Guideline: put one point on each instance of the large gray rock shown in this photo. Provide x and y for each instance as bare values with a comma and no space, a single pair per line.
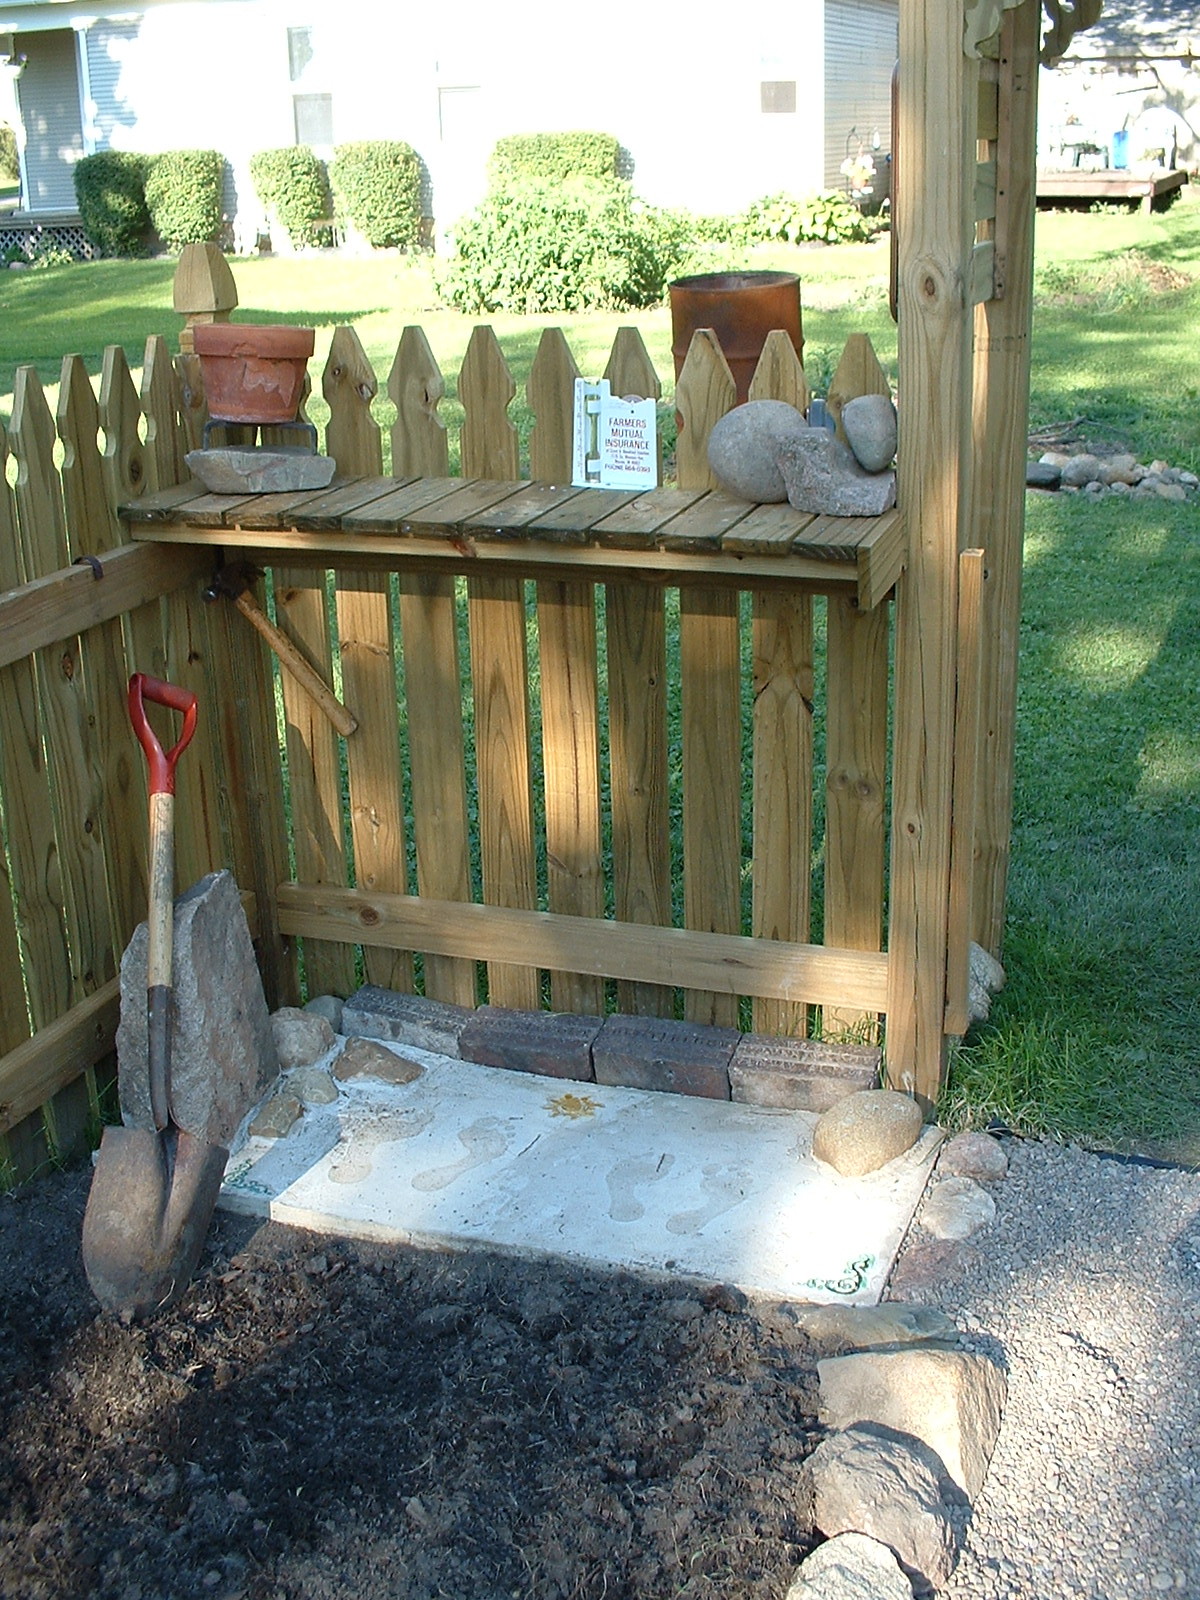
822,476
850,1567
870,424
957,1208
743,448
866,1130
223,1054
1078,470
952,1400
882,1485
259,471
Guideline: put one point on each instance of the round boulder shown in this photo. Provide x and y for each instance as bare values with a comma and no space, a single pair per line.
301,1037
743,449
869,421
867,1130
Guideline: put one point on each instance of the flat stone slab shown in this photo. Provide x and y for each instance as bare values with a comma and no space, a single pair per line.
618,1177
260,471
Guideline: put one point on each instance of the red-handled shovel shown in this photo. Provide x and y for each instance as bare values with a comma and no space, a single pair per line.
154,1188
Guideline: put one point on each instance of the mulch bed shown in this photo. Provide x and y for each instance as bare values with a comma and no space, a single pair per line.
320,1419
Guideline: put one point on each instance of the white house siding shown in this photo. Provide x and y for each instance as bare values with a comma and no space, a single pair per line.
704,109
861,46
48,93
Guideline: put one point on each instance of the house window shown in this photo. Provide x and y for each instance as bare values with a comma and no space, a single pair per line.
314,119
300,52
778,96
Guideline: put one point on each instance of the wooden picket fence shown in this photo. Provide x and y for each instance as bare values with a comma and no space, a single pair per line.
657,767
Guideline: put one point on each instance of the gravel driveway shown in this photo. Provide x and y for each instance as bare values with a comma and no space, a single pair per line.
1088,1286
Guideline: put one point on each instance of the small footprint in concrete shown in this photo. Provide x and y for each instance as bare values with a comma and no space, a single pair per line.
483,1141
725,1188
352,1159
629,1175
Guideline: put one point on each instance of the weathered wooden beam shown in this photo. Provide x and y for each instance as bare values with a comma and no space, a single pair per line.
74,599
720,962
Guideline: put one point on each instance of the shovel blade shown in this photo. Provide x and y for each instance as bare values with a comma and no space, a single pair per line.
148,1211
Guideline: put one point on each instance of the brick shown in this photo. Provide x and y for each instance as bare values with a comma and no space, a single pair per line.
799,1074
375,1013
554,1044
658,1053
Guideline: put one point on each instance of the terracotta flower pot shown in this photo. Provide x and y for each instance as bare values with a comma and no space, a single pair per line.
253,372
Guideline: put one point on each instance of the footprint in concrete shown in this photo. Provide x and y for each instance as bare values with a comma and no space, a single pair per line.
355,1152
627,1177
725,1187
483,1141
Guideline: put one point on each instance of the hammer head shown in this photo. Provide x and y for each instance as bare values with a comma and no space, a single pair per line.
231,580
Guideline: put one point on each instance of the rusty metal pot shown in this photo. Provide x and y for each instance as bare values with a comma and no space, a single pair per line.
741,308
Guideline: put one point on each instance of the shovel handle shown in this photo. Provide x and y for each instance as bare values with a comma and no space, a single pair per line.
161,762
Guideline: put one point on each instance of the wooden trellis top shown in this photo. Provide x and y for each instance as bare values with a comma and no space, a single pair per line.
477,523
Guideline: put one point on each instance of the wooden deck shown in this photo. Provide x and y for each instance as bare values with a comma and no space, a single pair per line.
1109,183
481,523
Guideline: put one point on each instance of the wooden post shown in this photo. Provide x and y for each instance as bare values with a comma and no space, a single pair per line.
1002,339
204,290
934,220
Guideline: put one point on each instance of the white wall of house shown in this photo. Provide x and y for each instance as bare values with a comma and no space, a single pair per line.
713,116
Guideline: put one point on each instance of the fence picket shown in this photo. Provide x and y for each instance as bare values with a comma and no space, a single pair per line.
429,634
779,375
704,393
710,670
499,675
635,633
855,764
69,726
858,372
782,653
420,443
126,472
364,613
551,395
160,406
92,529
571,762
489,443
352,436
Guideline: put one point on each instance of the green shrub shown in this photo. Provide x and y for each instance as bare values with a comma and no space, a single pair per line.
110,188
555,157
41,252
377,186
827,217
183,195
10,170
570,246
293,185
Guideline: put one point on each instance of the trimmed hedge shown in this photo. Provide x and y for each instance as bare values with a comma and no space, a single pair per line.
110,188
555,157
377,186
557,246
292,184
183,195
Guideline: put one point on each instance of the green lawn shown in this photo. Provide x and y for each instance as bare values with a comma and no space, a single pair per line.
1096,1035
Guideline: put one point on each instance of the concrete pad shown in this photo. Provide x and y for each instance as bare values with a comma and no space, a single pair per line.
475,1155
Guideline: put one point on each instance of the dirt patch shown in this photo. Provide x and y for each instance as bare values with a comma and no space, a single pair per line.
319,1419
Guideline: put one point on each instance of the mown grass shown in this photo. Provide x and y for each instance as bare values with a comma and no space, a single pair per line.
1095,1036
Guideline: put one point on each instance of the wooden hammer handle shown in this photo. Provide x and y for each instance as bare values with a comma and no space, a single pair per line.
292,661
